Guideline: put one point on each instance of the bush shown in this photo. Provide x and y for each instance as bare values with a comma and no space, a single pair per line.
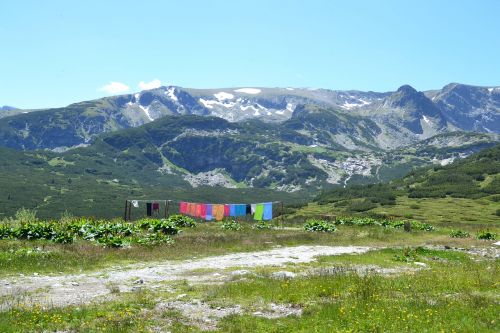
231,225
459,234
181,221
165,226
24,215
315,225
155,239
5,231
421,226
361,206
486,235
406,255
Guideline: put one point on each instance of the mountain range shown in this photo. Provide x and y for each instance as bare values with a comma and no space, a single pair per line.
280,139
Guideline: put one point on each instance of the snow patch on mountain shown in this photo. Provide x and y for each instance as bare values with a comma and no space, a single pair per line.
222,96
354,103
251,91
427,120
171,94
146,111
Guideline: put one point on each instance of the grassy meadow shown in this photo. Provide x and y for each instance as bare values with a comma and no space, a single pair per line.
430,289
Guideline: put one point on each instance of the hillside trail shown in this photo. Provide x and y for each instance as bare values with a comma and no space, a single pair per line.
73,289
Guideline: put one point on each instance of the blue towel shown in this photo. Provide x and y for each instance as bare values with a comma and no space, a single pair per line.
208,217
268,211
241,210
232,210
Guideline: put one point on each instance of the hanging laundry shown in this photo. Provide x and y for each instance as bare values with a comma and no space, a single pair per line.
135,203
232,210
208,216
148,209
268,211
191,209
240,210
259,212
183,207
248,209
252,209
227,210
197,210
218,212
203,214
156,206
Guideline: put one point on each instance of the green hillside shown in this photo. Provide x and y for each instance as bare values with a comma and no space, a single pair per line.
466,191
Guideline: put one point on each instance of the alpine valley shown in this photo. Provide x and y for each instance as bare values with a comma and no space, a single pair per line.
236,143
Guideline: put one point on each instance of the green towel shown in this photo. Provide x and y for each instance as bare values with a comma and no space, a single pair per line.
259,212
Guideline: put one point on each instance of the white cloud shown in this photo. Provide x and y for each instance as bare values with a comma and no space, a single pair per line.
115,88
150,85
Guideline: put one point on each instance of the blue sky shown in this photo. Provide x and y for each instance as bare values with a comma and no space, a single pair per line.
57,52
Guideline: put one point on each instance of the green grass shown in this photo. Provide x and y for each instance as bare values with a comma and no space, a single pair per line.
456,294
470,214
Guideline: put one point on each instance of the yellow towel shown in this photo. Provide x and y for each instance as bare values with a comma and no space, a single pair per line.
218,212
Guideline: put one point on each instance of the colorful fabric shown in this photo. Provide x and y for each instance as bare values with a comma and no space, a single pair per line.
259,212
252,209
232,210
218,212
227,210
156,206
240,210
208,215
183,207
191,209
268,211
203,211
197,212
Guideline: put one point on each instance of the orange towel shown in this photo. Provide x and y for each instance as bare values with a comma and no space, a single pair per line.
218,212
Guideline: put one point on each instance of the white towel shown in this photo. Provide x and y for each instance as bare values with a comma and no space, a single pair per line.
135,203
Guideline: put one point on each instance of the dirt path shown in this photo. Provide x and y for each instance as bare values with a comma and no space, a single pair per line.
65,290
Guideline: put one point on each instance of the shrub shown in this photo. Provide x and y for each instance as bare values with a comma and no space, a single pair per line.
112,241
181,221
38,230
63,237
24,215
421,226
406,255
459,234
5,231
361,206
497,213
316,225
231,225
155,239
165,226
486,235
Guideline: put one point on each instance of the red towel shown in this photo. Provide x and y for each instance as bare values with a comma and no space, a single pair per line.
203,211
183,207
227,210
197,210
156,206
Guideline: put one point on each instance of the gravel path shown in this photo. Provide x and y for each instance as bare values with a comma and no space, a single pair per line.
63,290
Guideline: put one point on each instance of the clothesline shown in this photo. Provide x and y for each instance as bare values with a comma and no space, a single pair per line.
225,203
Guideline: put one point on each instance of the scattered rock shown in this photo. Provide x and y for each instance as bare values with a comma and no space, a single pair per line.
139,281
283,275
181,296
75,284
421,264
240,272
